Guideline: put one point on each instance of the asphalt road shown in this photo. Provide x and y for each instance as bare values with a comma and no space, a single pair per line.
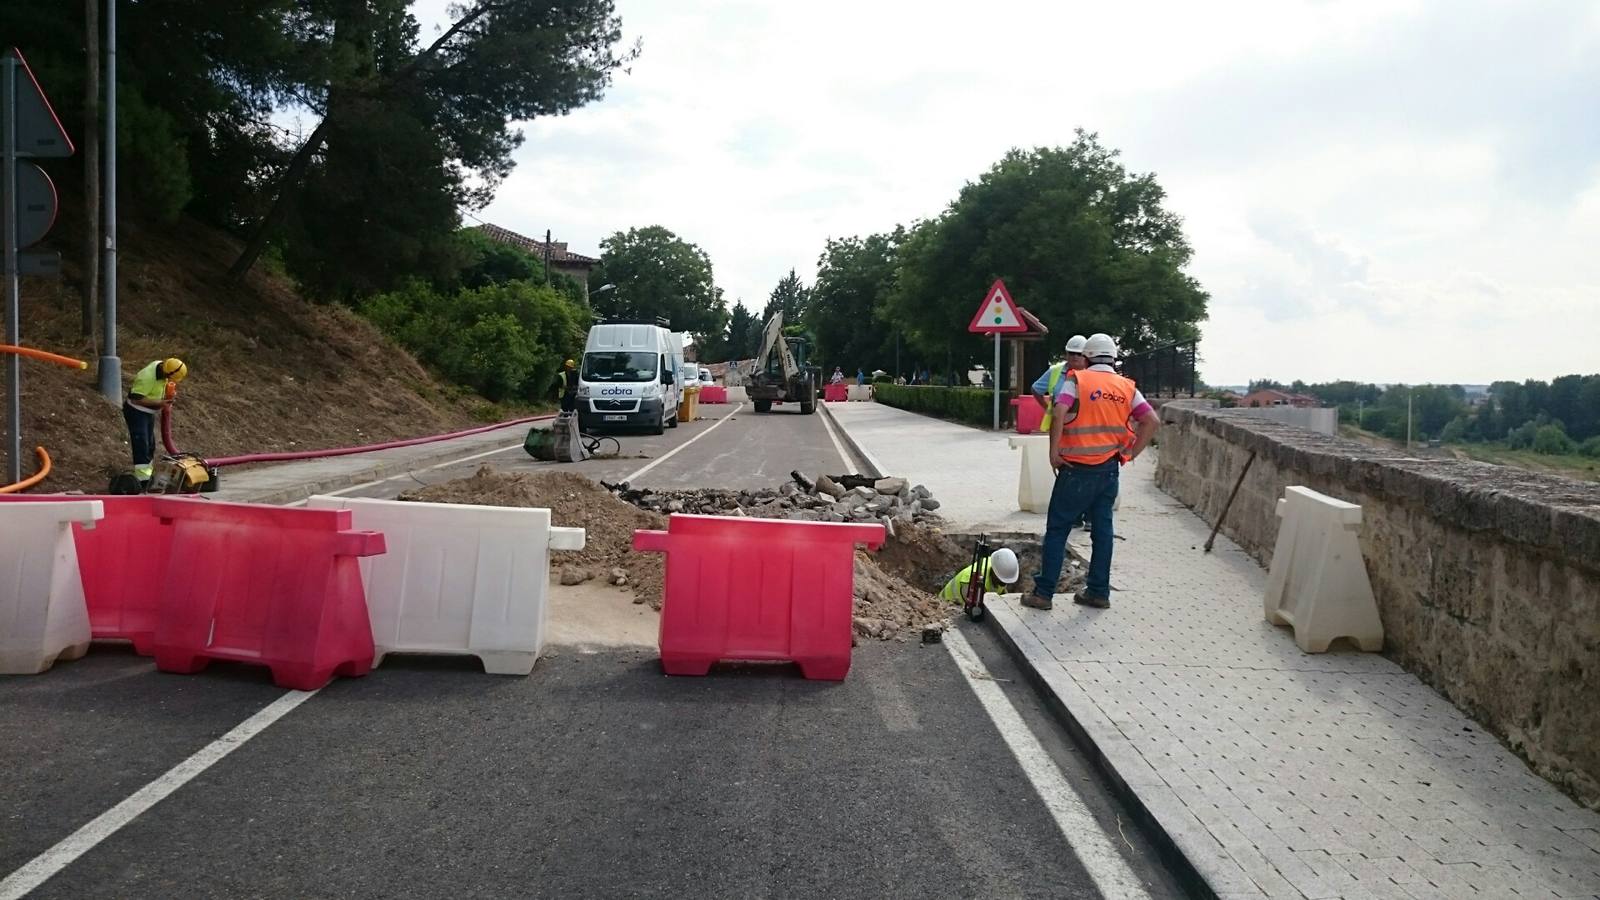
597,776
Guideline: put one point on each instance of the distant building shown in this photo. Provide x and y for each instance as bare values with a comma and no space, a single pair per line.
1270,397
573,265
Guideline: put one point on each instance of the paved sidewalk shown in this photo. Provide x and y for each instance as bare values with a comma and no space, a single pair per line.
1275,773
285,482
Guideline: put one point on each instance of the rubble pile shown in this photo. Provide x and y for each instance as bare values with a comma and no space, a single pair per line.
839,498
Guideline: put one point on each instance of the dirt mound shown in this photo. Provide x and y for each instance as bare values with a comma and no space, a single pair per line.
573,501
888,608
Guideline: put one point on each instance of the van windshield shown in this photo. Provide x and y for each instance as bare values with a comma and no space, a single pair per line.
619,365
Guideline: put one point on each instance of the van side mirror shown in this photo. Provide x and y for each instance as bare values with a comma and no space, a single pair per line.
666,378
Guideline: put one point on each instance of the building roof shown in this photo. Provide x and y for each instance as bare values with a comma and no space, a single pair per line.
558,249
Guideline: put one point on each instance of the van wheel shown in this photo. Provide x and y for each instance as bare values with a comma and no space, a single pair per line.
661,425
763,406
674,421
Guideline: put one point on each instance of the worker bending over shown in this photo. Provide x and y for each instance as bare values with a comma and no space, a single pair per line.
1089,445
1000,569
153,387
1044,389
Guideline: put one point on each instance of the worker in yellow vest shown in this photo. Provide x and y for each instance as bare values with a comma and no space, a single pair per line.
998,571
1044,389
153,387
1089,447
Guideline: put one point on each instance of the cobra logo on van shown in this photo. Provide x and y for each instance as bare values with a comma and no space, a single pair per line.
616,391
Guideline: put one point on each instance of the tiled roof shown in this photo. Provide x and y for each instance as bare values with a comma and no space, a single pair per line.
558,249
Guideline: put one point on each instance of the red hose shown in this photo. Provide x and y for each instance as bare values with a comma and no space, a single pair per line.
166,440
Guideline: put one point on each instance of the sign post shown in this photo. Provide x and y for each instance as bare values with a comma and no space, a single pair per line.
997,315
30,129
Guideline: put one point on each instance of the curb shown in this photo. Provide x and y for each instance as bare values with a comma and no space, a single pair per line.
376,471
1169,846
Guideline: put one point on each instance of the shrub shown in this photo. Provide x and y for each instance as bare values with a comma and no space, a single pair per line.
1552,440
1591,447
1521,437
974,406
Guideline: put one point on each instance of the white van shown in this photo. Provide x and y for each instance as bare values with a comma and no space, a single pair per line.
629,378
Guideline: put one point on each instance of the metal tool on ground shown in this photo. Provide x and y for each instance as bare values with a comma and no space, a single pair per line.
564,442
1212,538
972,600
779,373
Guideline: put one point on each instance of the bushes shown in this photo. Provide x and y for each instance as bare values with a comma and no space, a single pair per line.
1591,447
505,341
974,406
1552,440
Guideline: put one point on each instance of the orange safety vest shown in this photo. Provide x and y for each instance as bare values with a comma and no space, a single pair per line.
1100,430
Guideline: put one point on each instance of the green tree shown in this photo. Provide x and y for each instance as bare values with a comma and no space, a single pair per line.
847,310
657,273
1552,440
1081,242
744,333
791,298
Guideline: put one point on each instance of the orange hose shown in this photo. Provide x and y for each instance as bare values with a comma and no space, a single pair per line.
35,478
44,355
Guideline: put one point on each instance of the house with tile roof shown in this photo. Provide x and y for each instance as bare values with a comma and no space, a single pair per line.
555,253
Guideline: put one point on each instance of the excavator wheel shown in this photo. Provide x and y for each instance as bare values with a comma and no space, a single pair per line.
763,406
807,407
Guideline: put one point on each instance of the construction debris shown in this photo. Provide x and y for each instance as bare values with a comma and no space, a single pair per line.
830,498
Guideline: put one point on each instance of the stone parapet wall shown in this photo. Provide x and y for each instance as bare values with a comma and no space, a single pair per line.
1487,577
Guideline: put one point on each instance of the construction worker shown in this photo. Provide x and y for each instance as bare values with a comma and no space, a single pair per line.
837,377
153,387
1088,444
569,386
1045,387
999,570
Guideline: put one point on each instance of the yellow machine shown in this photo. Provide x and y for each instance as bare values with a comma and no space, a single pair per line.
184,473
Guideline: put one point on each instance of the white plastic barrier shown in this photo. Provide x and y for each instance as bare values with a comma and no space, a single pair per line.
859,392
1318,581
458,579
43,616
1035,479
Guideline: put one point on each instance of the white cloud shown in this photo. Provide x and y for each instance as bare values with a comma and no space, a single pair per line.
1382,190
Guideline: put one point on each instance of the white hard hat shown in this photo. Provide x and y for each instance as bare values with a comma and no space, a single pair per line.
1100,345
1075,343
1003,563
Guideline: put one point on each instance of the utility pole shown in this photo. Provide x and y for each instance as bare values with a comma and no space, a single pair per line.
13,283
110,379
91,165
1408,418
547,256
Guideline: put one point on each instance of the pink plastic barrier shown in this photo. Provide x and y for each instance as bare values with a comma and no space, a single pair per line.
713,393
757,589
1030,415
268,585
123,561
835,393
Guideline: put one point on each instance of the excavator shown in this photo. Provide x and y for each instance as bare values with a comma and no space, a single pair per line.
779,374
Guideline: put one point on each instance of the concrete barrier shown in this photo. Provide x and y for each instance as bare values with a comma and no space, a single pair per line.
1318,582
859,392
1487,578
43,616
458,579
1035,478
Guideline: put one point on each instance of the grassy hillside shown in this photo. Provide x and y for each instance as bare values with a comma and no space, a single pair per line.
268,371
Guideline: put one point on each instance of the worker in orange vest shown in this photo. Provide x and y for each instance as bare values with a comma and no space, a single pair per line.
1088,439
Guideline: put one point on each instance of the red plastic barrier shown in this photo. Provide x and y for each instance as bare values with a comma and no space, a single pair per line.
758,589
1030,415
835,393
268,585
123,562
713,393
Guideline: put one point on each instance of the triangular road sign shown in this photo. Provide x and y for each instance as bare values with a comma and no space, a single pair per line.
998,312
39,132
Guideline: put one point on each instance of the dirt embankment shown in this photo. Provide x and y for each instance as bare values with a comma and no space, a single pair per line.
268,371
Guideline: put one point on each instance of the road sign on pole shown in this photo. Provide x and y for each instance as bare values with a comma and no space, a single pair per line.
28,128
997,315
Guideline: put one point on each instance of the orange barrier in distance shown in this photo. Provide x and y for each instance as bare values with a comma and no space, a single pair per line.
35,478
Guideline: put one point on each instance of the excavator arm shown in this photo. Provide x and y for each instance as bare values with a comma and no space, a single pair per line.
772,341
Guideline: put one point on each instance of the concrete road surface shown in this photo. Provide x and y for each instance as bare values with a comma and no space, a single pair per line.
932,771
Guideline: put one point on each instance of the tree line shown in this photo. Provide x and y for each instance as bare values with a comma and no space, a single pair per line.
1552,417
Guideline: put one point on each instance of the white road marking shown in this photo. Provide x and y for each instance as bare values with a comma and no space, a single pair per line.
42,867
865,453
1111,873
409,472
833,435
674,451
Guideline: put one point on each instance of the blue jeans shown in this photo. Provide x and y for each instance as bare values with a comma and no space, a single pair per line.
1080,491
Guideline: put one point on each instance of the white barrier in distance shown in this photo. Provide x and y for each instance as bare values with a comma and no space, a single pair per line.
43,616
458,579
859,392
1035,479
1318,582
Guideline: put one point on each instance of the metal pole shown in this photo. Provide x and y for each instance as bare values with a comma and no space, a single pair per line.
110,374
1408,418
996,379
13,286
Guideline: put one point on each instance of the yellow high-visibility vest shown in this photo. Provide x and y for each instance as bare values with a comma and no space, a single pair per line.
1050,395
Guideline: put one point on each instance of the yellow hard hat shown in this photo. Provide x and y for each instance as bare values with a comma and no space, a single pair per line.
174,369
570,364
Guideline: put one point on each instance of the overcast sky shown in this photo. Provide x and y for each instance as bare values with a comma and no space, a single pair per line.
1387,191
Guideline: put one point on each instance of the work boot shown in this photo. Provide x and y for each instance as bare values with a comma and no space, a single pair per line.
1034,601
1084,598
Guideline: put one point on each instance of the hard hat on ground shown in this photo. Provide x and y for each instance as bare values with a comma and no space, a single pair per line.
1100,346
1075,343
569,364
1003,563
173,368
